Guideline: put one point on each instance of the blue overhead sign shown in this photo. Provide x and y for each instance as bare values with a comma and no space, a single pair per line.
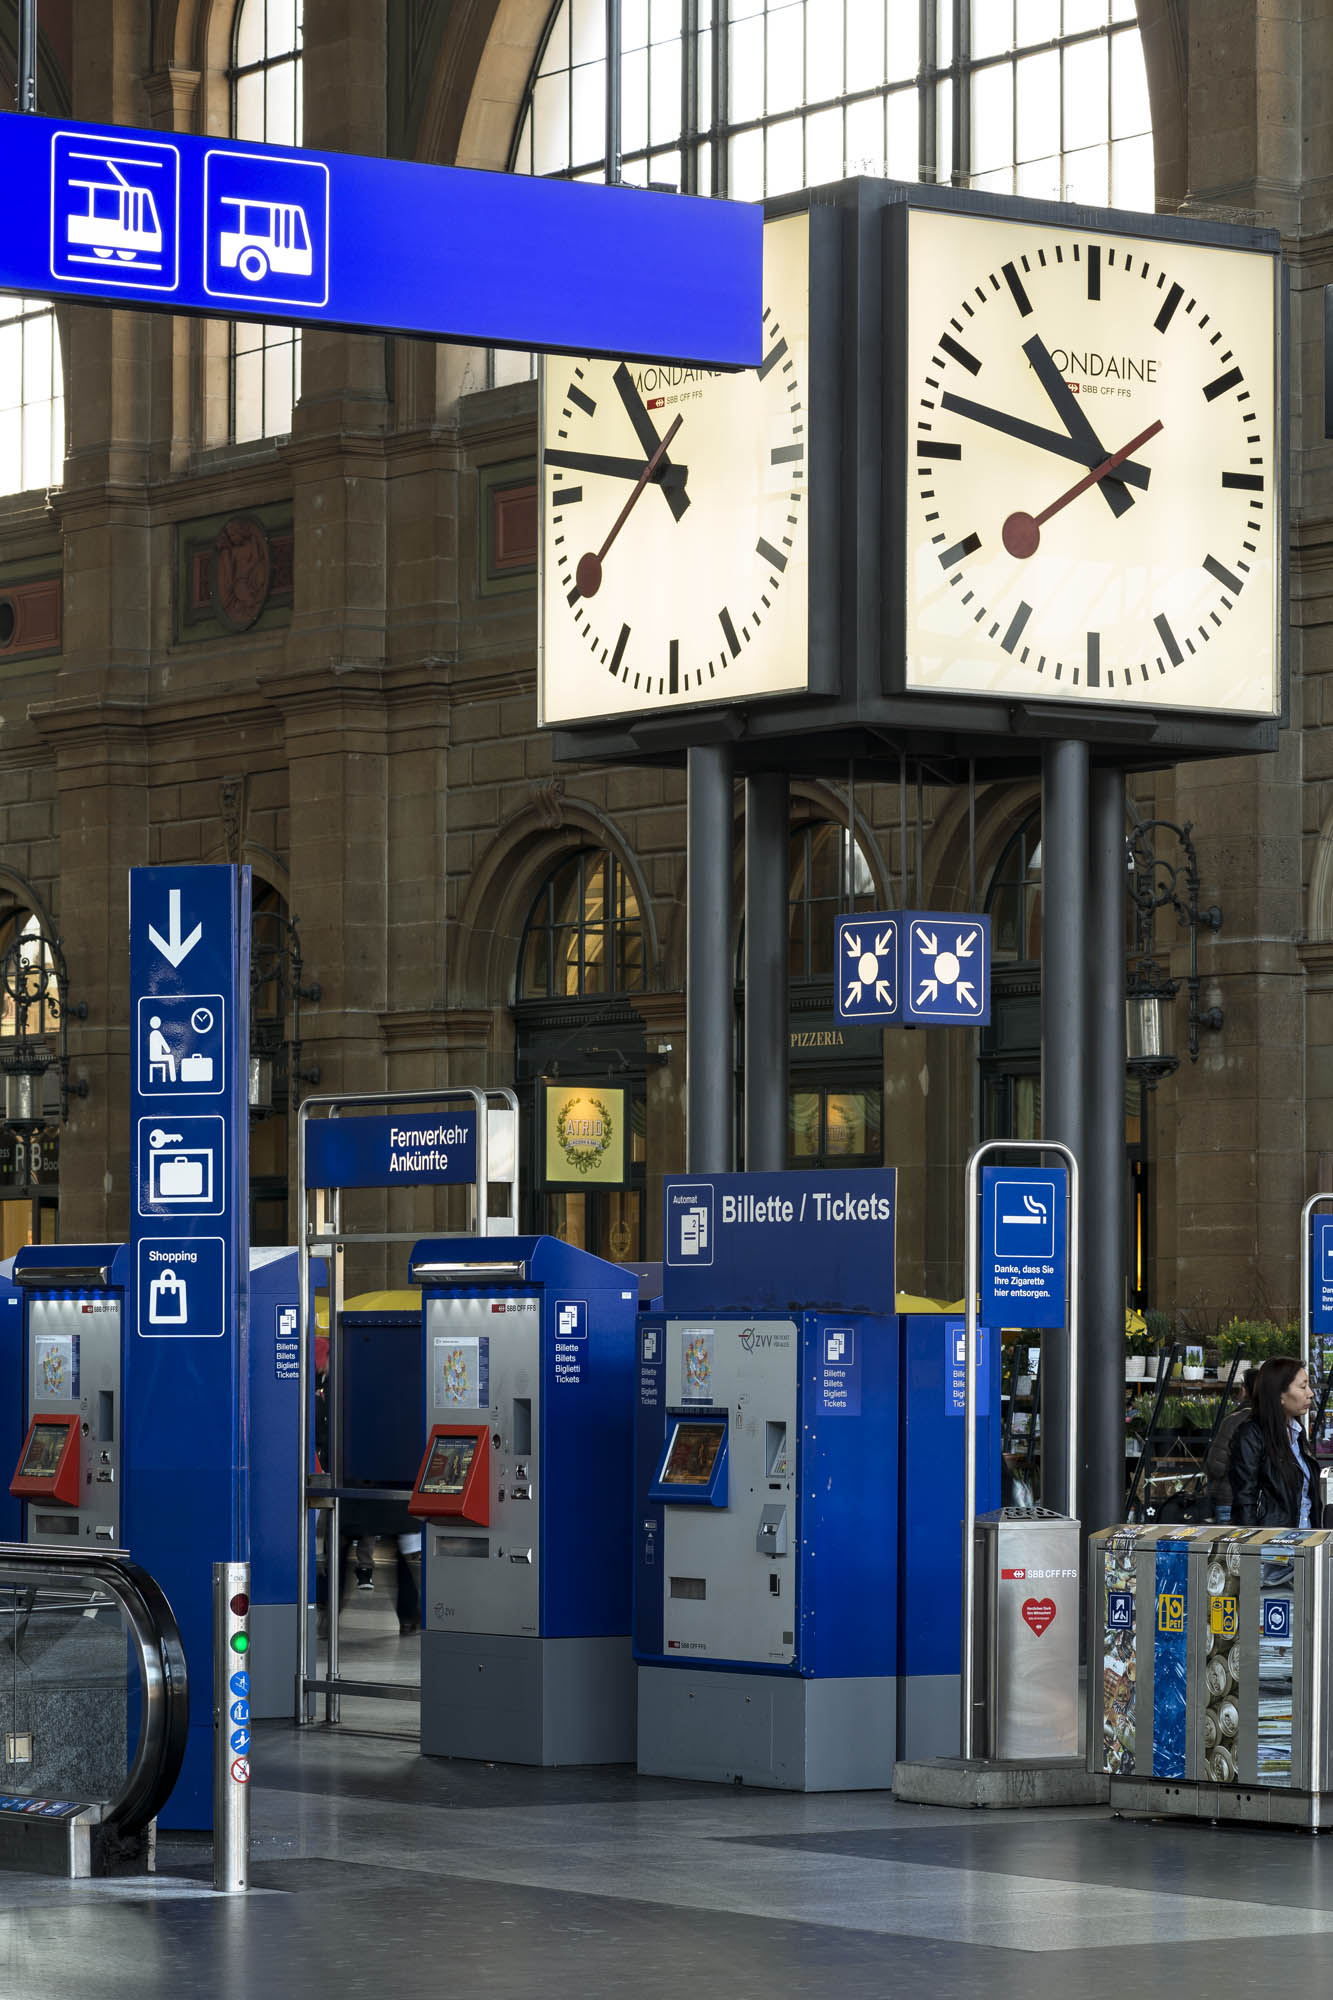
189,1015
411,1149
1024,1246
1321,1274
780,1240
185,224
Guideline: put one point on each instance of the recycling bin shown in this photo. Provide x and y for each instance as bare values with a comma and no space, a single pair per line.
1025,1634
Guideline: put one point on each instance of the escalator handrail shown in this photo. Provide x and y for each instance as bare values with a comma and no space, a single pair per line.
165,1716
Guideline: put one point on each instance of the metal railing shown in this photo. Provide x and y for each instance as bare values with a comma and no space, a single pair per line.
164,1711
327,1235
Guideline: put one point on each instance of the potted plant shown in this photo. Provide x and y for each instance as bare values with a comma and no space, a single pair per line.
1158,1327
1136,1349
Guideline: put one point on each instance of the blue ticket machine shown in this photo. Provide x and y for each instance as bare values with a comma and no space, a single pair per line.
930,1518
11,1405
525,1495
766,1612
89,1470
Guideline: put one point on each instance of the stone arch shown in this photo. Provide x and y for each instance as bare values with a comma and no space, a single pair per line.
481,73
489,927
1319,898
17,893
1001,810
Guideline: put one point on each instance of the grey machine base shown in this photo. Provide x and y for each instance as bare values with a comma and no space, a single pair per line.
778,1731
75,1845
983,1781
1178,1798
928,1715
272,1659
527,1701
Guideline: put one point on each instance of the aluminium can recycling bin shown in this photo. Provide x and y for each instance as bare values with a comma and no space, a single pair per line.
1025,1673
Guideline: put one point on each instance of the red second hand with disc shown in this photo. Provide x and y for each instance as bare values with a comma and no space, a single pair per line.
1021,533
588,572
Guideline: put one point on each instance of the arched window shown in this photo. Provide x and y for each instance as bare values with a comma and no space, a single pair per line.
266,104
1013,898
32,397
818,896
585,936
749,98
30,992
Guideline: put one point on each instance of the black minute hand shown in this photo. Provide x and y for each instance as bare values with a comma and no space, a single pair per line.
613,468
1071,414
645,430
1057,442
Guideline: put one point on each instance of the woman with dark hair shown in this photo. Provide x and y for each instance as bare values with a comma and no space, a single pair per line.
1274,1475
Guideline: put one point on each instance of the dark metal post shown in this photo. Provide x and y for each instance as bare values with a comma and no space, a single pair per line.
613,92
710,1083
1102,1362
766,933
26,93
1064,893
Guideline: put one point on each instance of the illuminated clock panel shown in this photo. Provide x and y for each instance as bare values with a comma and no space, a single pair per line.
1092,498
674,520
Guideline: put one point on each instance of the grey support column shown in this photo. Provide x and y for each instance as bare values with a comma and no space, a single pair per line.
766,935
1102,1361
710,1085
1064,900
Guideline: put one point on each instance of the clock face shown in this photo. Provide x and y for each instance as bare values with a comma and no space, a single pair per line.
674,504
1092,504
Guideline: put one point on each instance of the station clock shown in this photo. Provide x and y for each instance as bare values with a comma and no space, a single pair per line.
675,519
1092,468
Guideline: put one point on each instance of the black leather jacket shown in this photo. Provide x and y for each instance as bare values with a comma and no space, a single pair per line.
1260,1497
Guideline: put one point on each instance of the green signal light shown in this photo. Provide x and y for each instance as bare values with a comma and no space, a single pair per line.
240,1642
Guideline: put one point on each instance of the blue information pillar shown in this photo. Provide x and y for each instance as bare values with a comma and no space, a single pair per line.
185,1488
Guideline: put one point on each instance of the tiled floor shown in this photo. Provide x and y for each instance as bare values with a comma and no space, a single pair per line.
380,1873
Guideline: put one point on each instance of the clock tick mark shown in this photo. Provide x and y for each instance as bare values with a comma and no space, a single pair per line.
1015,631
1247,482
1227,578
1220,385
1015,284
957,352
967,547
1168,639
1095,270
774,557
1169,304
729,632
1094,659
772,358
582,401
673,670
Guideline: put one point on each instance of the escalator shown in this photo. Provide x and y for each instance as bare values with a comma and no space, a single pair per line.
94,1709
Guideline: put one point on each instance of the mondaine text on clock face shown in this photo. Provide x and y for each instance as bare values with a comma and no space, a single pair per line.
1091,467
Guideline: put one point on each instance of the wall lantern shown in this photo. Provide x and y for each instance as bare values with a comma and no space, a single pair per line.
34,1022
1155,883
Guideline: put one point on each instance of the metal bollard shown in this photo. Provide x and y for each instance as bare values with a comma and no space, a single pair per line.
231,1727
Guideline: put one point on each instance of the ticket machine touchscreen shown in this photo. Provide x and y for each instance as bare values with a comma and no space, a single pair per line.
455,1474
694,1464
48,1467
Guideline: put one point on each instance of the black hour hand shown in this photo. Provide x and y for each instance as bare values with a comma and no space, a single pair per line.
645,430
1071,414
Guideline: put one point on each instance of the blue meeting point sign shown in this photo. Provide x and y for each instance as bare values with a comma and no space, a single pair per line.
123,217
1024,1246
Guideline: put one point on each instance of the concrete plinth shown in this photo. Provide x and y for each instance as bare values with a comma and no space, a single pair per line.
982,1781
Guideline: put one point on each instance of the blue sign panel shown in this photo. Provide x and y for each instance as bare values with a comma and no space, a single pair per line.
1024,1247
410,1149
955,1375
190,1119
119,217
1277,1618
1321,1274
946,969
782,1240
839,1378
867,962
1120,1610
